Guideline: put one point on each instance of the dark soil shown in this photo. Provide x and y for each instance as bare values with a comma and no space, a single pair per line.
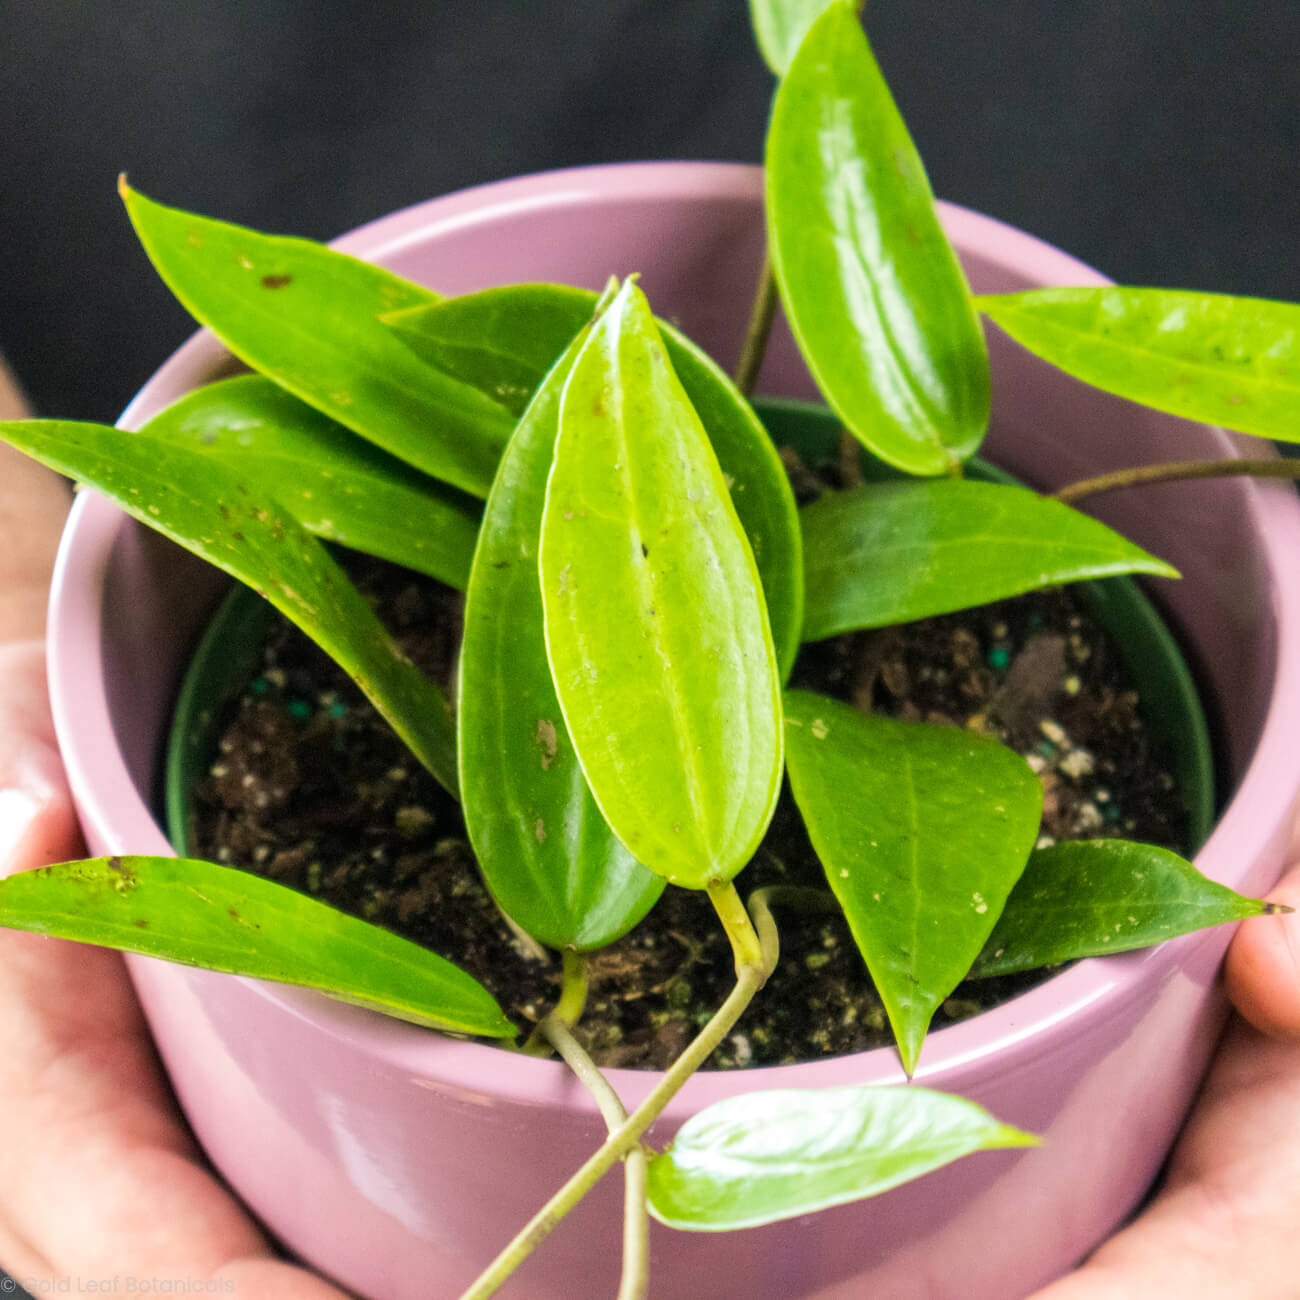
311,788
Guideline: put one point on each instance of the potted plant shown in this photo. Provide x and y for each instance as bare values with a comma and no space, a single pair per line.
283,1088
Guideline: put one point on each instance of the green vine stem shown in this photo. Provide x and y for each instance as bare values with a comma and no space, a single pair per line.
570,1006
635,1281
759,330
749,979
1177,471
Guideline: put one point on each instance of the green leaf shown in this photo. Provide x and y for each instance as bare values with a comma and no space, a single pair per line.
874,292
338,486
922,831
1229,361
502,341
887,553
766,1156
546,852
232,522
781,25
656,632
223,919
505,340
1091,897
308,317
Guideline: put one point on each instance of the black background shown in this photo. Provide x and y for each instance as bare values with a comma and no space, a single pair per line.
1156,139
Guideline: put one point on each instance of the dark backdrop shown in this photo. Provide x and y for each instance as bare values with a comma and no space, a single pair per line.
1157,139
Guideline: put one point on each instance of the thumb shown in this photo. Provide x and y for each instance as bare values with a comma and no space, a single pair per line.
1262,969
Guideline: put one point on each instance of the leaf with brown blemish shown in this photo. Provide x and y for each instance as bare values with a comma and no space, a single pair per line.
547,854
319,335
245,925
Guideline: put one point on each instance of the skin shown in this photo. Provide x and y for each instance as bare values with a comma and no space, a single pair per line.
102,1180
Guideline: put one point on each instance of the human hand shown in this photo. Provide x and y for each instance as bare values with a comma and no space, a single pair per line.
99,1178
1224,1225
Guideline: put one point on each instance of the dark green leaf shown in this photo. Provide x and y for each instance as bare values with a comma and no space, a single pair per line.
505,340
222,919
887,553
874,292
1228,361
232,522
655,626
922,831
308,317
338,486
781,25
548,855
1091,897
765,1156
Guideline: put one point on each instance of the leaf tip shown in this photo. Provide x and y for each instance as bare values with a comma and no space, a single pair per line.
1276,909
124,191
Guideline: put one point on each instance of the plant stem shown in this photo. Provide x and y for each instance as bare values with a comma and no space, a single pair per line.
749,979
1177,471
572,1002
635,1280
759,330
745,943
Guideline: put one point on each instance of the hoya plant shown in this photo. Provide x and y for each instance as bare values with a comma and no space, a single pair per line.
638,584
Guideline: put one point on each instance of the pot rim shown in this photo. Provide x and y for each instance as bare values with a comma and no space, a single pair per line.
1004,1039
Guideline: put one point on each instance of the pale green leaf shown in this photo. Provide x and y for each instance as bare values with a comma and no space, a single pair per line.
233,522
308,317
656,631
1229,361
546,852
780,25
873,291
1087,898
222,919
922,831
766,1156
887,553
504,341
338,486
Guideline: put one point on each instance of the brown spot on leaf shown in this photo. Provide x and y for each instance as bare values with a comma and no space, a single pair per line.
276,281
547,742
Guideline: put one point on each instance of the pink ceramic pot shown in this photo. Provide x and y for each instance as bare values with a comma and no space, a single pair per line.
397,1162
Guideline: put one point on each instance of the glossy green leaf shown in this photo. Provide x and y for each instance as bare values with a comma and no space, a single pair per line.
308,317
233,523
887,553
655,626
338,486
1087,898
873,291
547,854
780,26
765,1156
505,340
922,831
223,919
1228,361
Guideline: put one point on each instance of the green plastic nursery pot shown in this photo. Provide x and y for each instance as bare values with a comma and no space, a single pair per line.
228,656
398,1161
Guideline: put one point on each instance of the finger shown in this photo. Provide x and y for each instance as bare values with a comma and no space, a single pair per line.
37,821
1262,970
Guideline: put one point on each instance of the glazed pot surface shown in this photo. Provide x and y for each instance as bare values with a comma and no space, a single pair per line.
398,1162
